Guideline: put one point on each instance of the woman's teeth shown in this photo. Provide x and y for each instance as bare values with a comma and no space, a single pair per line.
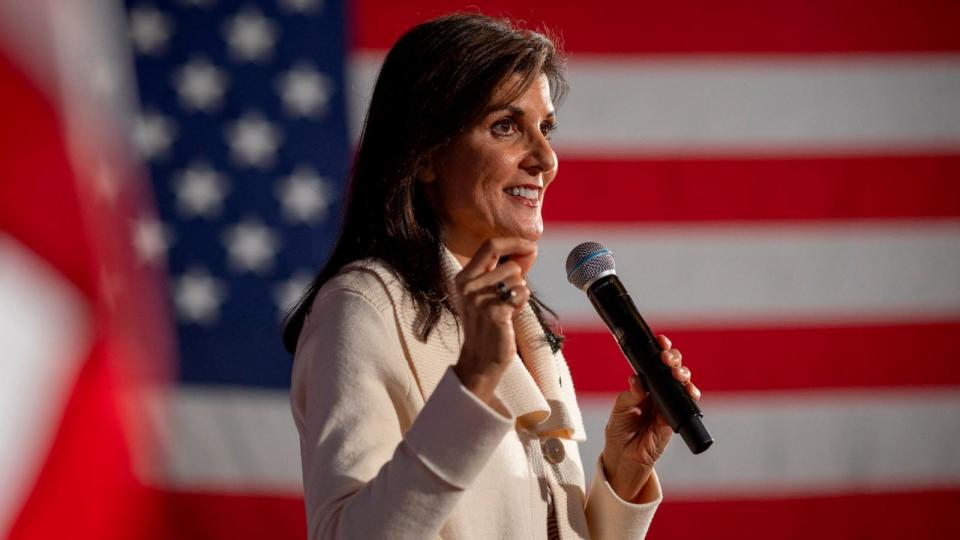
526,193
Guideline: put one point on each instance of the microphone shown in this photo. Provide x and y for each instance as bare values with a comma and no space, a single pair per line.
590,267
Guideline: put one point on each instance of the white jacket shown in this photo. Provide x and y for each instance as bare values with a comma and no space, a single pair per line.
393,446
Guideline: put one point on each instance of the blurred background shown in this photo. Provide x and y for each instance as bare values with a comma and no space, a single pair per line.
779,182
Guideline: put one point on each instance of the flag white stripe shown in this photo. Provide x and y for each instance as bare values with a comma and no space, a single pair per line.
741,274
809,442
690,105
228,439
767,444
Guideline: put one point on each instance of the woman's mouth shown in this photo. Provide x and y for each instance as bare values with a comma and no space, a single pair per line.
528,196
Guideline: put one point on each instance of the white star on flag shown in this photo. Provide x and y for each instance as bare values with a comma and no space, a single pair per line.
149,30
202,4
151,239
198,296
252,246
200,85
253,140
301,6
304,195
153,133
200,190
250,36
304,91
286,293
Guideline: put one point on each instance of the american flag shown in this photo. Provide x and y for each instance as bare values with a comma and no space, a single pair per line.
779,183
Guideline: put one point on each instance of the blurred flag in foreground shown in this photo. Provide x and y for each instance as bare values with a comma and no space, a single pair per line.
83,330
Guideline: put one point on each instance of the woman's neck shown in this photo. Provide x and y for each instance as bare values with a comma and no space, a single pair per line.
462,248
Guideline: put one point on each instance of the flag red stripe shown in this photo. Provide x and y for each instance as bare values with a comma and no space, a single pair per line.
915,514
36,167
785,358
215,516
923,514
666,190
749,26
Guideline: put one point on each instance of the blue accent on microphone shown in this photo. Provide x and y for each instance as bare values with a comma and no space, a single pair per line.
587,259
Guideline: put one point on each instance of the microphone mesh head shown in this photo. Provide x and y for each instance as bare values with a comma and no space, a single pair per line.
587,262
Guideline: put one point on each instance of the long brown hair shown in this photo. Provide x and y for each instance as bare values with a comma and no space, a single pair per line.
436,81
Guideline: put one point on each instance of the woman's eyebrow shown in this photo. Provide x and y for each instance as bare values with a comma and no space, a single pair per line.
517,111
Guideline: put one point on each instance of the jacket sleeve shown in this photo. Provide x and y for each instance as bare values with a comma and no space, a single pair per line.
610,517
363,476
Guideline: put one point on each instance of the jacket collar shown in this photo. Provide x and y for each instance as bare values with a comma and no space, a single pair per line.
530,390
518,389
531,387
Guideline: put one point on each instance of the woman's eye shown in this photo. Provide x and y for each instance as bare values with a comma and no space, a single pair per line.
505,126
547,129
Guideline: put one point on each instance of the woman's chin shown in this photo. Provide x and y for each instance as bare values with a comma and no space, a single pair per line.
532,235
531,230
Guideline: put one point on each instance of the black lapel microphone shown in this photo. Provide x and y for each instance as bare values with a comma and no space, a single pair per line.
590,267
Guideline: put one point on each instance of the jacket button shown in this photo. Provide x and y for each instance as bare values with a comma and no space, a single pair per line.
553,450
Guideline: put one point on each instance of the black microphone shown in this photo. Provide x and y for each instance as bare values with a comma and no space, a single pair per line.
590,267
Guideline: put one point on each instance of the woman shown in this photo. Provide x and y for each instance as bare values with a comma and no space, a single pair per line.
430,394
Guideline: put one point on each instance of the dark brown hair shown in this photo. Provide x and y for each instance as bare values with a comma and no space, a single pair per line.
436,82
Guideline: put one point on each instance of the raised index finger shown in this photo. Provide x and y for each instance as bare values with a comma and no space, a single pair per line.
521,251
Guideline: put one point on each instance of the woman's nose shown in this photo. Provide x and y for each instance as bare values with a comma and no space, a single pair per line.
540,157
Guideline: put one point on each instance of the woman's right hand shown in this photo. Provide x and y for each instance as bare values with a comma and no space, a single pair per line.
489,341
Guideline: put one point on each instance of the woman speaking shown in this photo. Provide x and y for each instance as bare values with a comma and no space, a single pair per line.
429,389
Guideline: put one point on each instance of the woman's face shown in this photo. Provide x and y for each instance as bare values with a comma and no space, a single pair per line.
490,181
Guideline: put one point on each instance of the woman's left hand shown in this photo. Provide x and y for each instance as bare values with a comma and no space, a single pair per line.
636,434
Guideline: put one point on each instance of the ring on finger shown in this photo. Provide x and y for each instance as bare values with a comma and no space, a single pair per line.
506,294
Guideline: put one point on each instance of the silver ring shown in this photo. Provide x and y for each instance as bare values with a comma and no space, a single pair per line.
506,294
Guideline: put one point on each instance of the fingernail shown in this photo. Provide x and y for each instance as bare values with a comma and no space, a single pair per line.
684,371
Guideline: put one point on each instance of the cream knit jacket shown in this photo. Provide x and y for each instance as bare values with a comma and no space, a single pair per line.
393,446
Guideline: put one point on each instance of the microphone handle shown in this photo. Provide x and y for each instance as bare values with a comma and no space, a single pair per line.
639,345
